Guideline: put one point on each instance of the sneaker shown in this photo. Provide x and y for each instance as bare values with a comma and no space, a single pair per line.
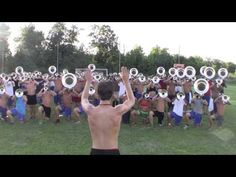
185,127
160,125
78,122
60,115
57,121
40,122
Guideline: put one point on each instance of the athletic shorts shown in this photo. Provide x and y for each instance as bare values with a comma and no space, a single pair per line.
143,114
196,117
158,114
47,111
31,100
16,114
57,99
104,152
66,111
3,112
219,120
176,117
10,102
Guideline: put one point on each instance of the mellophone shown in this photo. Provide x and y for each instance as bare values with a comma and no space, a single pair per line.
69,80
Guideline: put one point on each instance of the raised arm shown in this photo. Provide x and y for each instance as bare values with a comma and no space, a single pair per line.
129,103
84,99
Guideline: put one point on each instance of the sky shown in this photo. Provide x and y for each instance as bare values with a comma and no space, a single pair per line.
206,39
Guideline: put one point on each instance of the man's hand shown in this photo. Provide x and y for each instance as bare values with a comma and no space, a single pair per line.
124,74
88,75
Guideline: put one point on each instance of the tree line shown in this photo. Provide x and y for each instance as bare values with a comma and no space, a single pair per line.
36,51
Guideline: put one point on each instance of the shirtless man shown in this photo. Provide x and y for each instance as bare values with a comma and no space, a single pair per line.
45,109
58,87
104,120
220,109
171,91
187,88
3,105
158,108
31,96
66,104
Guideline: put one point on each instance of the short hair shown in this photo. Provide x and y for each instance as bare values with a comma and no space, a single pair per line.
105,89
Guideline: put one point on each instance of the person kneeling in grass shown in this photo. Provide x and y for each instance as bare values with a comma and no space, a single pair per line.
19,111
196,113
45,110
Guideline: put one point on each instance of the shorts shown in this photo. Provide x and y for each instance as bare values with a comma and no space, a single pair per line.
57,99
196,116
219,120
176,117
3,112
104,152
66,111
158,114
143,114
16,114
31,100
10,102
47,111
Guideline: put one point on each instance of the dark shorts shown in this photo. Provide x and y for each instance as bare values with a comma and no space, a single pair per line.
3,112
176,117
207,98
158,114
16,114
31,100
219,120
47,111
104,152
57,99
196,117
66,111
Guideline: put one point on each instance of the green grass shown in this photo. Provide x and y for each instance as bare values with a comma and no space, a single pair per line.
68,138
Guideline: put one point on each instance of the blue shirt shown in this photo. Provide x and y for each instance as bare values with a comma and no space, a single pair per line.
20,105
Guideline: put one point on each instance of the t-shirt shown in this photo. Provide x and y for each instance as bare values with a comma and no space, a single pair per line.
20,105
178,107
144,103
208,93
9,88
198,104
178,88
122,89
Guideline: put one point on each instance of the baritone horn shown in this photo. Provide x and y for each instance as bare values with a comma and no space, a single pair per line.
161,71
223,73
69,80
52,69
209,72
180,96
163,93
172,72
2,90
133,72
19,70
180,73
19,93
201,86
92,67
189,72
91,90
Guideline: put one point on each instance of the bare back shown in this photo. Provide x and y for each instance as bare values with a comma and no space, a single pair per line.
104,123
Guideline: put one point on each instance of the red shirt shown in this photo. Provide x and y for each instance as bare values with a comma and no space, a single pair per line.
208,93
163,85
144,103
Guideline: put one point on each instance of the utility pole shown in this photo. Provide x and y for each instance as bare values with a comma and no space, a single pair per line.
57,55
2,57
119,58
178,56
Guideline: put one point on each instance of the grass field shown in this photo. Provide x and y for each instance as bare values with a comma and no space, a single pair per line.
69,138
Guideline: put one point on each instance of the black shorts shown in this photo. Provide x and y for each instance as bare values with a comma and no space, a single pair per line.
47,111
31,100
158,114
104,152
